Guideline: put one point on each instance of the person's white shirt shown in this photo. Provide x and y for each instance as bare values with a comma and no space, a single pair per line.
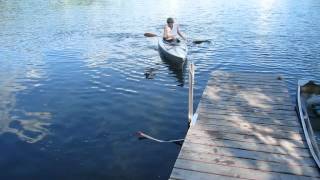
172,33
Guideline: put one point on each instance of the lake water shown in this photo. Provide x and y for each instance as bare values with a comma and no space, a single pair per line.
78,79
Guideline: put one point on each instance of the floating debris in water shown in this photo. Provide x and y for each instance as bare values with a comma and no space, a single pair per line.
149,73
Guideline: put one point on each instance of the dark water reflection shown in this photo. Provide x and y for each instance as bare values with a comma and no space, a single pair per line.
78,78
177,69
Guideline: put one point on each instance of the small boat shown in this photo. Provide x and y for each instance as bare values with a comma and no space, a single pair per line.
175,52
308,100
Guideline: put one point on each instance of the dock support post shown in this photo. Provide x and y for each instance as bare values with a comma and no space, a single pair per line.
191,82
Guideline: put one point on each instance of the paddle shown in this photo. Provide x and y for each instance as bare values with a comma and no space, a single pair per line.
198,41
150,34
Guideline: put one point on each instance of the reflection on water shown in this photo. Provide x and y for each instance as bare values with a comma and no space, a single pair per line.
150,73
28,126
177,69
30,131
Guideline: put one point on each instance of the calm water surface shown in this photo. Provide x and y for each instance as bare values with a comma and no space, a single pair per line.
78,79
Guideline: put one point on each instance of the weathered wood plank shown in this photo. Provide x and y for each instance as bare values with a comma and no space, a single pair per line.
246,138
179,174
248,77
223,87
225,101
240,84
250,110
262,93
237,86
258,116
220,95
250,164
240,153
263,80
249,128
222,118
274,108
270,96
248,124
285,150
274,133
245,75
284,114
234,171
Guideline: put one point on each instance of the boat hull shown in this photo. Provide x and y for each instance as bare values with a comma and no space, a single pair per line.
306,92
176,53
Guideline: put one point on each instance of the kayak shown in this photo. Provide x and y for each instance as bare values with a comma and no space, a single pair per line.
175,52
308,101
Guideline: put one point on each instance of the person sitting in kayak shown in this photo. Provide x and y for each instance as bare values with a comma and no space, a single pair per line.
171,31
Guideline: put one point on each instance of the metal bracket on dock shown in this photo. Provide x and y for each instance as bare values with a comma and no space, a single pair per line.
194,119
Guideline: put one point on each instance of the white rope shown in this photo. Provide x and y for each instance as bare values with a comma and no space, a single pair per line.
158,140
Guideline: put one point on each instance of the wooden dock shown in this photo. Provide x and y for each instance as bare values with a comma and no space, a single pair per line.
247,128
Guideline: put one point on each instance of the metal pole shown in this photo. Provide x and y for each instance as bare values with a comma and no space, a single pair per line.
191,79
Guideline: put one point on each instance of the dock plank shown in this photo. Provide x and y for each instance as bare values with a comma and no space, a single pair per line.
178,174
250,164
235,172
222,118
285,150
247,154
247,138
251,125
253,131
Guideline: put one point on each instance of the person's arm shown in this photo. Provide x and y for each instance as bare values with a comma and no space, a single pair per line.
180,34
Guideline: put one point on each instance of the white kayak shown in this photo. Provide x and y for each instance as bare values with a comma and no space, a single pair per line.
176,52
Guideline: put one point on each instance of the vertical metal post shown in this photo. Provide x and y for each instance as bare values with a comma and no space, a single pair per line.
191,79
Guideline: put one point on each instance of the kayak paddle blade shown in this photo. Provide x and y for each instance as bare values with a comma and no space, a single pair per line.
150,34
